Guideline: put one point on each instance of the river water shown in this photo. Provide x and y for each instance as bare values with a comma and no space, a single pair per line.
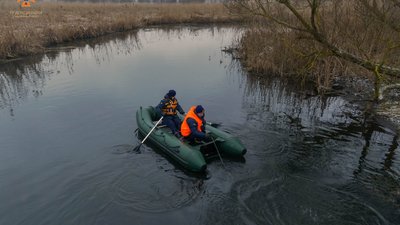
67,130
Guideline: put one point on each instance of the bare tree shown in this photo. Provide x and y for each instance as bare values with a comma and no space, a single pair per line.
363,32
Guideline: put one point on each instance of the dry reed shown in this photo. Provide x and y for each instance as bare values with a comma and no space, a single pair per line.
270,49
65,22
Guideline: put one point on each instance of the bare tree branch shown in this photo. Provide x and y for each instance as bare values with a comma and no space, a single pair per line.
311,26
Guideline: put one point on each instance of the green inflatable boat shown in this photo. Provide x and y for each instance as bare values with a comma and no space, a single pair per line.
192,157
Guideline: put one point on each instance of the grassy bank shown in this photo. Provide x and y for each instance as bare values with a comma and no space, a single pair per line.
66,22
271,53
322,41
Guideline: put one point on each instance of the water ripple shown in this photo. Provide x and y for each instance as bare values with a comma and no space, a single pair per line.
150,192
298,200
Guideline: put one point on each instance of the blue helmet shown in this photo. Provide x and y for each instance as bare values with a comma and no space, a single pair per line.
171,93
199,109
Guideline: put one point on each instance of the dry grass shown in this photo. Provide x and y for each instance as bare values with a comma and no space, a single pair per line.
273,53
65,22
270,49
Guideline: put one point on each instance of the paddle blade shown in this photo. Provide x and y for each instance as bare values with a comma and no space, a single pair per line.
137,148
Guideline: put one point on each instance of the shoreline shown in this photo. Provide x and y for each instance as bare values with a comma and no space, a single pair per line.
72,44
62,23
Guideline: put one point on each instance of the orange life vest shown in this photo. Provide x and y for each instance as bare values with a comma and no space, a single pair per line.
185,129
169,108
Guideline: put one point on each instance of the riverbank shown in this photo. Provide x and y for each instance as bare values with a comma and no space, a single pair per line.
322,41
266,55
66,22
328,44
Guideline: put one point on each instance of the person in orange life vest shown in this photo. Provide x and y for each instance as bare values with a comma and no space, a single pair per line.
168,108
193,126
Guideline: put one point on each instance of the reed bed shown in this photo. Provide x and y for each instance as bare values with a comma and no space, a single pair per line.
272,53
66,22
271,49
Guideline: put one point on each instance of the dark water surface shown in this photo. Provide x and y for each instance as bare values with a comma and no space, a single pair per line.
67,122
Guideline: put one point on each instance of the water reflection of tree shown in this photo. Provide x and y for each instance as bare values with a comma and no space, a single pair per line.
316,121
376,170
172,31
18,80
295,103
26,77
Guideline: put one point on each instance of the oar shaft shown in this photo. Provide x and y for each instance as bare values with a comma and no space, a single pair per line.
219,155
159,121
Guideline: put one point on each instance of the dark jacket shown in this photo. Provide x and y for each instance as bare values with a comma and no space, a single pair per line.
193,128
163,103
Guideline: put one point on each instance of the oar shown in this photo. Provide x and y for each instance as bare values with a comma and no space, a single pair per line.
219,155
144,139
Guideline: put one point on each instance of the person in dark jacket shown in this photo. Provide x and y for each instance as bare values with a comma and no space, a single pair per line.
169,108
193,126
